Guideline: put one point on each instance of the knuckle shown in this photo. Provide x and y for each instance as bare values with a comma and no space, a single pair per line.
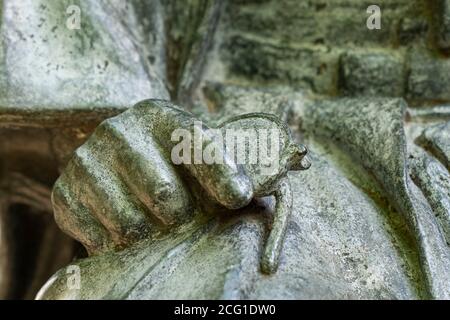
59,193
79,156
109,129
61,206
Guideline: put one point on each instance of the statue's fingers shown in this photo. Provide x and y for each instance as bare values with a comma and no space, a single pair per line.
77,220
147,171
226,182
178,133
101,190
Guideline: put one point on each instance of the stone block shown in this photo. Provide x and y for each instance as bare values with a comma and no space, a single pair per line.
429,77
371,73
442,19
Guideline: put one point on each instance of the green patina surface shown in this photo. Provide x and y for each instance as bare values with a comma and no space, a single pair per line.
370,219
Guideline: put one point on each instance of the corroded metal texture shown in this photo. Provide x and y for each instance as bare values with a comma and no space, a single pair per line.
130,154
369,219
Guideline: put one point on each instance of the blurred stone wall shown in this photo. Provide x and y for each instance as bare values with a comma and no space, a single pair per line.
326,46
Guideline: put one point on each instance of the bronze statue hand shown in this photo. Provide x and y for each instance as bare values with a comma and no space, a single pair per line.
124,184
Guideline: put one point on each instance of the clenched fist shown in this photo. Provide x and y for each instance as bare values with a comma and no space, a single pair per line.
155,167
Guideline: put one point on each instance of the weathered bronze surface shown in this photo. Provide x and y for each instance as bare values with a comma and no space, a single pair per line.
130,154
370,219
